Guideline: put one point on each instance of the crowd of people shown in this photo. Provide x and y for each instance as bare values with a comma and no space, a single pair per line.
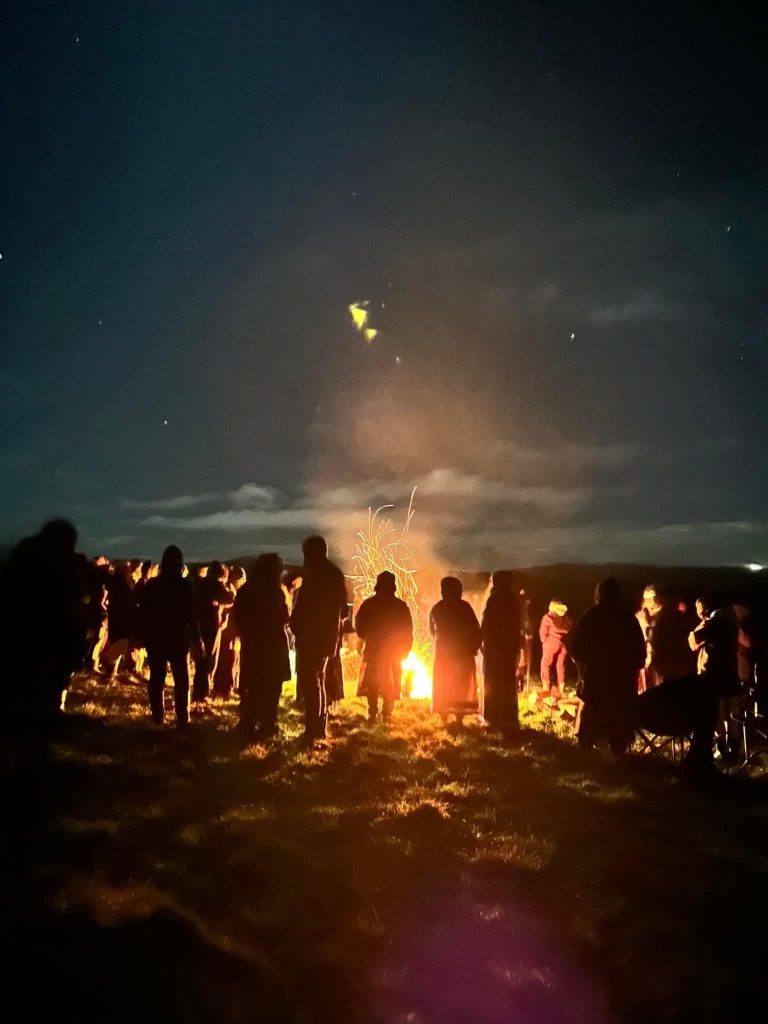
217,630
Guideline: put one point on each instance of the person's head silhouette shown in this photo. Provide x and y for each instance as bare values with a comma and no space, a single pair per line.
315,550
386,583
172,562
608,591
451,588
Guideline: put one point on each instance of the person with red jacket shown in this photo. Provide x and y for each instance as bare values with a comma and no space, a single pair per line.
553,633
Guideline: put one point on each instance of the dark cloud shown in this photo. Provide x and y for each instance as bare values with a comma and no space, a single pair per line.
559,222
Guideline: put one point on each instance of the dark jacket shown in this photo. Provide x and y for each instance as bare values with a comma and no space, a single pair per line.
501,633
609,648
454,625
318,609
213,598
168,615
260,615
716,640
384,624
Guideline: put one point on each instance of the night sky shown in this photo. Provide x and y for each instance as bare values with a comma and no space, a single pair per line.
557,213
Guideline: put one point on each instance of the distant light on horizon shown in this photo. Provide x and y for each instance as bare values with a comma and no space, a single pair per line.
754,566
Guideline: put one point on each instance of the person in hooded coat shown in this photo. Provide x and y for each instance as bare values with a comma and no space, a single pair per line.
609,649
501,635
553,633
260,615
170,628
454,625
385,626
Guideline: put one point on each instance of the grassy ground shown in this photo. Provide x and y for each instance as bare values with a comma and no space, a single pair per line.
414,874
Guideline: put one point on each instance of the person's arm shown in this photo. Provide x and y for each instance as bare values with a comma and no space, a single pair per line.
698,636
361,620
544,629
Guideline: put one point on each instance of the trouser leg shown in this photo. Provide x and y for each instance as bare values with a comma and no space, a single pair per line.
200,684
315,709
214,657
223,680
547,657
157,669
561,657
387,707
248,710
180,671
373,706
270,703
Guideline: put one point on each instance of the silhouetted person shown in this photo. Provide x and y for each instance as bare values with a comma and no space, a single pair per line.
96,612
170,630
213,599
553,633
648,616
260,615
43,618
501,633
228,664
385,626
670,653
715,640
121,617
319,606
609,648
454,625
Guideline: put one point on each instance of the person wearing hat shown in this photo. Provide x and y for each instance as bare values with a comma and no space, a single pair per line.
385,626
553,633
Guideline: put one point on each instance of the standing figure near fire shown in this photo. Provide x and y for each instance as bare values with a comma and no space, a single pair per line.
214,598
501,633
385,626
228,664
670,654
121,618
553,633
648,617
609,649
318,609
716,642
260,615
170,629
454,625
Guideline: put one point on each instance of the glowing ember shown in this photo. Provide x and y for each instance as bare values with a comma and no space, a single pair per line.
417,679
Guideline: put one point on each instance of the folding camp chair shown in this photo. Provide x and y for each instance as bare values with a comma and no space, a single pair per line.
661,746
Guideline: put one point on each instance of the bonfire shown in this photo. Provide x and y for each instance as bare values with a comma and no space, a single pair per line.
382,546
